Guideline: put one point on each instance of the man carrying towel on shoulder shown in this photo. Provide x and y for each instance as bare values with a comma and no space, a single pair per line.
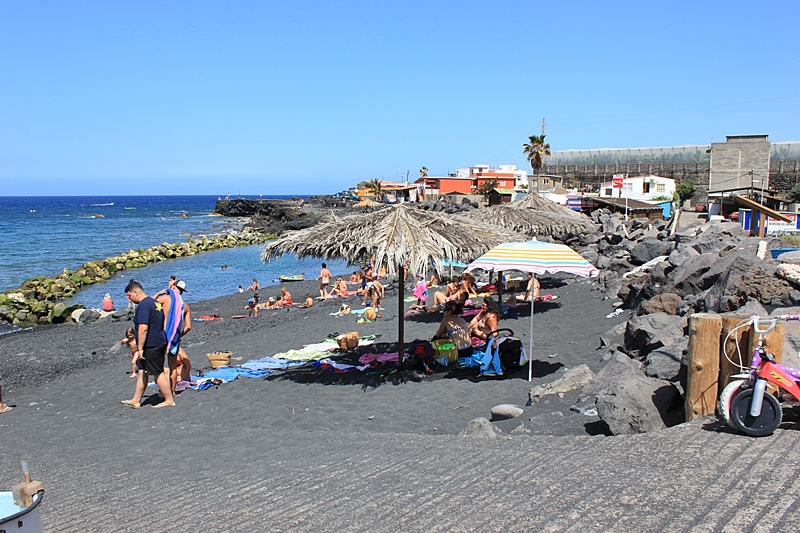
152,345
177,323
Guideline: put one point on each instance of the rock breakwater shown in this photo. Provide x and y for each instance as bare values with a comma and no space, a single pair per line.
37,300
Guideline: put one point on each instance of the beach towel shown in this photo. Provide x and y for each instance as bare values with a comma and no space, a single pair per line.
301,355
490,363
472,361
205,318
330,364
271,363
229,373
380,358
357,311
174,321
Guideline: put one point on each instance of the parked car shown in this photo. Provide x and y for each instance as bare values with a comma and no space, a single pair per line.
700,207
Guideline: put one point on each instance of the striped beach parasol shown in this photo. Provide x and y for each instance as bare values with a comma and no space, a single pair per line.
535,257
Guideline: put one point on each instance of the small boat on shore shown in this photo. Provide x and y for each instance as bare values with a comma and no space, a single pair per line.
301,277
19,507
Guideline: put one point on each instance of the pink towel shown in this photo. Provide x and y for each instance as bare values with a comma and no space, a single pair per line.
367,358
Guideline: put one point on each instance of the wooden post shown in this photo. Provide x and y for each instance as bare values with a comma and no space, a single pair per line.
740,338
401,312
773,343
701,386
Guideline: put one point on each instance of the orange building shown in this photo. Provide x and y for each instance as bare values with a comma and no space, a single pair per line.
469,180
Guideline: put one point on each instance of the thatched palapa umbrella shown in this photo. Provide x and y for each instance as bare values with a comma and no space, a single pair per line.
532,222
395,236
543,205
366,202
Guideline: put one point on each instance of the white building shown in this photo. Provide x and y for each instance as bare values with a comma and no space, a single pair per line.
643,188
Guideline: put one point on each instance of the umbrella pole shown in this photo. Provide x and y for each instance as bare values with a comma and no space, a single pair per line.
530,352
499,285
401,313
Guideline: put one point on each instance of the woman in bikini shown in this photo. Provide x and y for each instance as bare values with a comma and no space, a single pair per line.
454,292
455,328
485,323
470,283
340,288
286,297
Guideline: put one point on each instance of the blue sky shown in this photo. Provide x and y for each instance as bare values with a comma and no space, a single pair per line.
310,97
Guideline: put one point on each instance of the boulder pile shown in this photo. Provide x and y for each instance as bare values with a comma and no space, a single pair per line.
36,301
662,277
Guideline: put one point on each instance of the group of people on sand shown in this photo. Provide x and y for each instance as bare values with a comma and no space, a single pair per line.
160,322
283,300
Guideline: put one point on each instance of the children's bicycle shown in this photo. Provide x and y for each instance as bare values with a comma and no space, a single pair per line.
744,403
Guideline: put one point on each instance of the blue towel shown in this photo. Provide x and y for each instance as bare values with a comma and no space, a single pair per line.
490,366
228,373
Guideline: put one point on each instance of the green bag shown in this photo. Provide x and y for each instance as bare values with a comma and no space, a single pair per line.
445,351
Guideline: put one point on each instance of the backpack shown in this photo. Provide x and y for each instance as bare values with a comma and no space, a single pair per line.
420,355
344,309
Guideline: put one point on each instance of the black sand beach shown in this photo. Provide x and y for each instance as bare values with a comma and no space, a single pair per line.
319,451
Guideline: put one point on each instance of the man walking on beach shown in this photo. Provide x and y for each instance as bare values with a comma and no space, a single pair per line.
152,345
324,278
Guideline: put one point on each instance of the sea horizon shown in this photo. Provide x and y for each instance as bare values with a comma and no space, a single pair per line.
45,234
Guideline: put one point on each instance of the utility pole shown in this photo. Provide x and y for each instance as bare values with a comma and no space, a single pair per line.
544,125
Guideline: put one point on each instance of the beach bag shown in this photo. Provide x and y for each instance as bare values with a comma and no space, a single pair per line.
446,352
348,341
510,351
420,355
369,313
219,358
345,309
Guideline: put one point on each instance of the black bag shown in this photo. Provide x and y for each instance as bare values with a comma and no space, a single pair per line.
510,351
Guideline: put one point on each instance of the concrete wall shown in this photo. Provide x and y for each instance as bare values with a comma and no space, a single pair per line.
741,162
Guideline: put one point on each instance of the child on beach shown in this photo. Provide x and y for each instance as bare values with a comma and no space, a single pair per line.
254,286
3,407
421,290
240,289
130,341
252,306
308,303
108,303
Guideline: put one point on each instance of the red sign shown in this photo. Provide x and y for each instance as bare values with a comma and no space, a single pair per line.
617,183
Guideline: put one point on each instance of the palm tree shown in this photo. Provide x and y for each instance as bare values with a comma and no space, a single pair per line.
535,151
376,189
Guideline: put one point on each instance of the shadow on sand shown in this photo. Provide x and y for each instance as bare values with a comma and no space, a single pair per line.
389,374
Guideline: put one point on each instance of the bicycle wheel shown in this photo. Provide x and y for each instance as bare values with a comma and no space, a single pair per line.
726,398
758,426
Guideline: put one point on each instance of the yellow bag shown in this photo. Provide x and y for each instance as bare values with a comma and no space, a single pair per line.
369,313
445,348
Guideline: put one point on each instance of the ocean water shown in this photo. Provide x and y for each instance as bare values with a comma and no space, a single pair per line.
43,235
